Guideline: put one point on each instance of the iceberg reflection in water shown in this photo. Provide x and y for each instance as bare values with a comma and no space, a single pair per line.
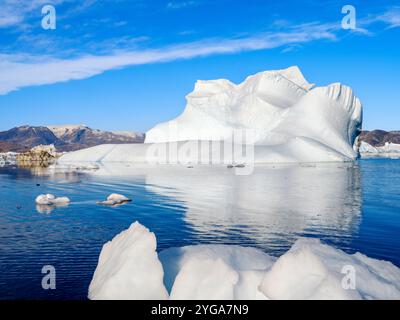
268,209
350,206
271,207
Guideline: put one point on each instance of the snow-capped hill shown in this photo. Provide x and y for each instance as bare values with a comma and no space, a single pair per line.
280,107
130,134
64,138
81,136
61,130
23,138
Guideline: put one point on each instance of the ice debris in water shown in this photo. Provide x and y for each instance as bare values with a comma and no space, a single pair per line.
115,199
50,200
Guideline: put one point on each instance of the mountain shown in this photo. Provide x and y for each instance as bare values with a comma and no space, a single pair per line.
79,137
378,138
23,138
64,138
5,147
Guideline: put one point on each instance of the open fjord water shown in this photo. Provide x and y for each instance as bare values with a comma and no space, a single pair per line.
352,206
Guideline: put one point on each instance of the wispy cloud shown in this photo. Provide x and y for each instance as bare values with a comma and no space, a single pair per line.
18,71
23,70
15,13
181,4
391,17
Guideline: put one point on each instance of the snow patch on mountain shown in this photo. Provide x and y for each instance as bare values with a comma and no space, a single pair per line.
60,130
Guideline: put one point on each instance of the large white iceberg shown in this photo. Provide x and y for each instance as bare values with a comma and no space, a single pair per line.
284,117
280,107
130,268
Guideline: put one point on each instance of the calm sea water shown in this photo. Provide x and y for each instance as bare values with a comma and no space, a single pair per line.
355,207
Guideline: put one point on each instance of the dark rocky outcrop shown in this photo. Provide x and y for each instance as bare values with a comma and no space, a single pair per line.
378,138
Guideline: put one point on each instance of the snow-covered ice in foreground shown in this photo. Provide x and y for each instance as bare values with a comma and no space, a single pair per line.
288,120
214,272
130,268
50,199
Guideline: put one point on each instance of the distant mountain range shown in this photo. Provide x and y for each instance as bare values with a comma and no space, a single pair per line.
75,137
64,138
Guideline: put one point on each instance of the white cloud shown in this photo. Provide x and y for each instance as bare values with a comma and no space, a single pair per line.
23,70
181,4
391,17
18,71
14,13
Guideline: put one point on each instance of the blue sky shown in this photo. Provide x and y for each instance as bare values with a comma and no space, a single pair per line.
128,64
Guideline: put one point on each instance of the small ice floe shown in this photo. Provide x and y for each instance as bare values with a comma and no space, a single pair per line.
51,199
115,199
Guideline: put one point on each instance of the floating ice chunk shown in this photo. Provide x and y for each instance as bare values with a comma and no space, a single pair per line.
115,199
129,268
43,200
50,196
50,199
61,201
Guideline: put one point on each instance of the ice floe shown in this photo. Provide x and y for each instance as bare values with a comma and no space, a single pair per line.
50,199
115,199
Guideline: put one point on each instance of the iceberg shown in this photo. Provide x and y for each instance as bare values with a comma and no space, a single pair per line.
283,117
388,150
130,268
